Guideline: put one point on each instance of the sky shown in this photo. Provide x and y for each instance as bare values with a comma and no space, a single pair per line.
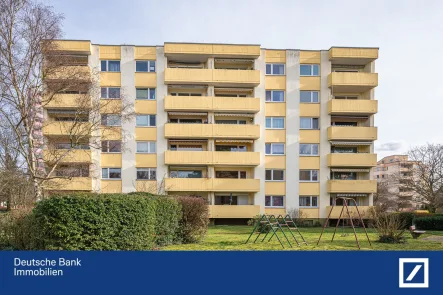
408,33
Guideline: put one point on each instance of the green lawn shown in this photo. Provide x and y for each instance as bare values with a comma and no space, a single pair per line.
234,237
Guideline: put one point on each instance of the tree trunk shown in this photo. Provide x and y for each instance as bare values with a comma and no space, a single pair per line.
38,192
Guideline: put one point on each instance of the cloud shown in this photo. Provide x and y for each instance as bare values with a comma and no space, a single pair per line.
389,146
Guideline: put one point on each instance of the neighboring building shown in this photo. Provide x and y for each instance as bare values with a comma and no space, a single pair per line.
397,169
262,130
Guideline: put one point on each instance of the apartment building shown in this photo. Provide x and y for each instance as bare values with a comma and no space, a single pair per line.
250,129
396,170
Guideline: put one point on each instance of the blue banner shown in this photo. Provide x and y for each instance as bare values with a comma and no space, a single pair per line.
284,272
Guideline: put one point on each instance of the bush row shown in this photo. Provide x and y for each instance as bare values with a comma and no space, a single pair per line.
410,218
135,221
429,223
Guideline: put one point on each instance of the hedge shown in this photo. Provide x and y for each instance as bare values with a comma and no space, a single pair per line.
429,223
194,221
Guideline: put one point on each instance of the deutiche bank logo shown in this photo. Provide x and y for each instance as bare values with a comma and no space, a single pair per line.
414,273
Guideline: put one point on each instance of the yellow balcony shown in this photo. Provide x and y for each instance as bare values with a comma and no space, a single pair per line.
364,212
54,128
212,184
352,82
211,131
212,158
219,50
73,184
77,73
352,133
236,104
209,103
233,211
69,101
352,160
352,186
352,107
67,156
212,77
73,46
352,56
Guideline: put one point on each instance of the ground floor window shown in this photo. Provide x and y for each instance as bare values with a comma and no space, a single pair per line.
147,173
308,201
274,201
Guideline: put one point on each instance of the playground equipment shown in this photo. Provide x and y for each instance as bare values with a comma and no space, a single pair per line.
270,223
345,205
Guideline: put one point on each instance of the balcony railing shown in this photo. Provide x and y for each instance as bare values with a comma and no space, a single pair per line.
212,184
352,186
352,56
67,128
67,156
212,77
352,160
212,131
352,82
73,184
209,103
69,101
212,158
77,73
72,46
233,211
350,106
352,133
219,50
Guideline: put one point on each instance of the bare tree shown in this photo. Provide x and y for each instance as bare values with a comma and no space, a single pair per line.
34,71
388,197
427,179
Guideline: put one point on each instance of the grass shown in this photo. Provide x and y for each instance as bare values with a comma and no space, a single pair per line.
234,238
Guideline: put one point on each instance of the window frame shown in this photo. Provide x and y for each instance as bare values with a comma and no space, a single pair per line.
272,69
272,175
149,173
108,173
149,93
310,201
312,95
120,118
311,119
149,142
107,147
107,65
272,123
149,66
312,70
272,96
310,175
272,201
311,148
107,93
149,120
272,148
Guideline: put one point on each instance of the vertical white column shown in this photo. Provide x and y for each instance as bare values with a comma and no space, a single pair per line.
292,128
325,122
129,171
162,117
259,144
371,123
95,168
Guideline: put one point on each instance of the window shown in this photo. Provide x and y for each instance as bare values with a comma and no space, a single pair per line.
275,149
308,96
111,173
145,93
309,70
309,175
233,122
186,174
275,123
69,146
148,147
308,123
72,171
343,150
110,92
275,69
185,94
111,120
71,119
344,175
274,201
111,146
147,173
230,148
145,66
308,201
275,95
308,149
110,65
145,120
275,175
230,174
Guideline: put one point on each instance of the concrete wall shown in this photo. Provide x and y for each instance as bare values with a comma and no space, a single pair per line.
95,168
162,116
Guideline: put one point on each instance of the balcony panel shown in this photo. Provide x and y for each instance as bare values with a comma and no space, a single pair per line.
352,160
212,77
352,56
352,107
234,211
352,133
67,156
73,46
218,50
69,101
73,73
352,82
364,212
188,130
183,48
54,128
73,184
236,131
212,158
236,77
188,76
235,185
188,184
188,103
236,104
225,50
236,158
352,186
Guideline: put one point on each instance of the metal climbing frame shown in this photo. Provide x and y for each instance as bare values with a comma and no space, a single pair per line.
289,223
345,205
266,224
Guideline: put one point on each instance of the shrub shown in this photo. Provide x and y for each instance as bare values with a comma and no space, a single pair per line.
389,226
168,213
17,230
96,222
429,223
194,220
407,219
